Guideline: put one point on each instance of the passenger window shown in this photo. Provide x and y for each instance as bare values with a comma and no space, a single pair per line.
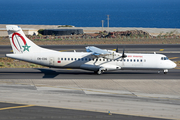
141,60
124,60
74,58
127,60
79,59
89,59
71,58
61,58
103,59
134,60
64,58
68,58
161,58
137,60
85,59
82,59
99,59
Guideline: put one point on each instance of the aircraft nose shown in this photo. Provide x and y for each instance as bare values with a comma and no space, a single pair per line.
173,65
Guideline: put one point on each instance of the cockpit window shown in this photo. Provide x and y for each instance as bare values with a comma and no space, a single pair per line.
164,58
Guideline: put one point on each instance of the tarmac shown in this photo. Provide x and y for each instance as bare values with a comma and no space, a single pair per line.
127,95
143,98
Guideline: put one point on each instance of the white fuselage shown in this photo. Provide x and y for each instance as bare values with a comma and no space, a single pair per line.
85,60
95,59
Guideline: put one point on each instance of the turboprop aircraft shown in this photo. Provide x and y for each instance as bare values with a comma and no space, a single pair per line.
95,59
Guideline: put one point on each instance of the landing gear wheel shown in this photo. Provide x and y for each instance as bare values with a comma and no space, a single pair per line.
99,72
165,71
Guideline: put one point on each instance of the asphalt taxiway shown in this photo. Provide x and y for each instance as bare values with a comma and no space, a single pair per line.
20,111
39,73
48,93
125,99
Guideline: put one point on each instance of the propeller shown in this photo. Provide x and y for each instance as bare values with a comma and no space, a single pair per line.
117,48
123,55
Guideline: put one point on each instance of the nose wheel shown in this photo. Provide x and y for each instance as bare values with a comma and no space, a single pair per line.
165,71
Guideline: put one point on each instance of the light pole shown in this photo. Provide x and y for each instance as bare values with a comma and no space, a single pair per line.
102,24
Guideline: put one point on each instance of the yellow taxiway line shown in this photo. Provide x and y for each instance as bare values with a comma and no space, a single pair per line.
173,58
86,110
6,108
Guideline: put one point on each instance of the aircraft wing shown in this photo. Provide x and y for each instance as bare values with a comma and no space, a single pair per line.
97,51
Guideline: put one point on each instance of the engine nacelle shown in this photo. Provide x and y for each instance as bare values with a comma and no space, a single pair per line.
90,67
110,67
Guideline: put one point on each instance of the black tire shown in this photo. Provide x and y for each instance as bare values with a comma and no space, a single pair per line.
99,72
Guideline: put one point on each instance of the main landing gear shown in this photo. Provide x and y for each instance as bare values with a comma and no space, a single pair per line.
100,71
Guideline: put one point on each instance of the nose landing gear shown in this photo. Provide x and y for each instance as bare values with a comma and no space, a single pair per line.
165,71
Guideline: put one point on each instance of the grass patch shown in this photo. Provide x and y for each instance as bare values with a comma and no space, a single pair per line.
13,63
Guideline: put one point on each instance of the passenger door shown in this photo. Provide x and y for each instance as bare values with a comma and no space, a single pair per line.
51,61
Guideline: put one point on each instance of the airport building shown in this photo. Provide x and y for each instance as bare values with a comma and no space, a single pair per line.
58,32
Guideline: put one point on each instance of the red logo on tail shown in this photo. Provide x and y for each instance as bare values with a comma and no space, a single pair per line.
22,38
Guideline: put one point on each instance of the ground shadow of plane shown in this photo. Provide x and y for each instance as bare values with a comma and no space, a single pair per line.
52,73
48,73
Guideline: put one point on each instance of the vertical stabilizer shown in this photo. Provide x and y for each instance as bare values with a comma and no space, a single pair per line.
19,42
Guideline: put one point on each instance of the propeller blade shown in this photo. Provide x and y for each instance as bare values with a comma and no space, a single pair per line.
117,49
123,55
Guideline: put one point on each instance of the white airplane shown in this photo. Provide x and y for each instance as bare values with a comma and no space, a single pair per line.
95,59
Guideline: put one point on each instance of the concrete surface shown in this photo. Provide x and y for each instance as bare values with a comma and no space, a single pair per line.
150,98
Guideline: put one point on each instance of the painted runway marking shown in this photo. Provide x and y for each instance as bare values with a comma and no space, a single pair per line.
176,68
6,108
173,58
68,68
